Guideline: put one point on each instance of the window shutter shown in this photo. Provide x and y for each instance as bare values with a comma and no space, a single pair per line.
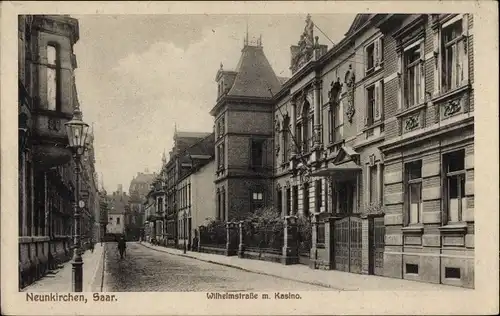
378,97
379,51
465,35
366,60
422,71
400,80
436,72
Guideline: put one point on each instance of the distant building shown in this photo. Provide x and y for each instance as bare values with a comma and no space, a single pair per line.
135,217
118,202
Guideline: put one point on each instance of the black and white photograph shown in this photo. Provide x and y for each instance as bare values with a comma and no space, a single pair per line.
245,154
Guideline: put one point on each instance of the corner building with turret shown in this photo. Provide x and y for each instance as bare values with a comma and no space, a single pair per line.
373,136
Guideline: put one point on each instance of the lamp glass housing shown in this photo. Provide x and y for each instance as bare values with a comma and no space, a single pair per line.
77,131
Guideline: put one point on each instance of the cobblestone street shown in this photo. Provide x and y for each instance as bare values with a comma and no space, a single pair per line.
144,269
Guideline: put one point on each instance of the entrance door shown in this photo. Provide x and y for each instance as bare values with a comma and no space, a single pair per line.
377,244
347,244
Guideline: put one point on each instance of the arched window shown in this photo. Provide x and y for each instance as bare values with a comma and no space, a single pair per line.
52,77
307,129
286,139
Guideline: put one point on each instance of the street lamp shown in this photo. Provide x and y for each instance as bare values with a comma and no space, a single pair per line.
77,133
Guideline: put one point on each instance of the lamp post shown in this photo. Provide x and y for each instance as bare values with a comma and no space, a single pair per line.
77,134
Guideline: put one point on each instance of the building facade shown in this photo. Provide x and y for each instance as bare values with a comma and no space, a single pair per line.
196,192
375,133
243,116
47,97
118,208
138,190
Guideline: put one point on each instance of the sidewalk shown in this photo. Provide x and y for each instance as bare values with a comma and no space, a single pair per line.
327,278
61,281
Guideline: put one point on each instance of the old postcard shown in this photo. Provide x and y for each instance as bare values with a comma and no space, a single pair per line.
249,158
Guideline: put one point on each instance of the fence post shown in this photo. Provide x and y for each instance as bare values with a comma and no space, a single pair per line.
231,245
366,227
241,246
314,242
290,247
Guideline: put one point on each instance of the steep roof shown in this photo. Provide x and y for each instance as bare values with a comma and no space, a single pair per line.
255,75
143,178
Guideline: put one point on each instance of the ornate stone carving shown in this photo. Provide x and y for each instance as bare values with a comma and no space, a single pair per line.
412,122
54,124
452,107
334,93
350,80
303,51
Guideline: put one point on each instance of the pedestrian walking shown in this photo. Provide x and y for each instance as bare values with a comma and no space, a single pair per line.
122,245
92,244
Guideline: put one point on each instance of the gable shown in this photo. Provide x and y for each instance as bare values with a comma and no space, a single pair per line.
346,154
358,22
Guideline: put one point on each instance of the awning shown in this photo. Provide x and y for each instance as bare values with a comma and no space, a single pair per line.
342,170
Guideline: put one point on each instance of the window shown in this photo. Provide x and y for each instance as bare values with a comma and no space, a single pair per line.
339,121
414,205
52,77
454,55
221,155
223,205
374,54
219,209
257,200
319,195
295,196
117,221
286,149
310,135
288,201
413,76
412,268
373,184
331,124
370,109
306,127
452,273
305,201
279,200
345,197
454,164
370,56
257,152
298,137
257,196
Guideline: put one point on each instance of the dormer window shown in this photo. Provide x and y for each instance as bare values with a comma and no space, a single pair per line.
52,78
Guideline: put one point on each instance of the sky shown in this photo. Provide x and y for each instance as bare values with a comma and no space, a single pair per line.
138,76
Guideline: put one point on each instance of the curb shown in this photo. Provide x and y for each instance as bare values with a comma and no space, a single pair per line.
103,266
247,270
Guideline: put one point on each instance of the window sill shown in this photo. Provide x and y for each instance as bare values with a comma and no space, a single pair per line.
372,126
454,228
413,229
411,109
448,94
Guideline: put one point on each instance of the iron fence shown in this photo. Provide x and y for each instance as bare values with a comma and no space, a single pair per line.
264,238
304,236
213,235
